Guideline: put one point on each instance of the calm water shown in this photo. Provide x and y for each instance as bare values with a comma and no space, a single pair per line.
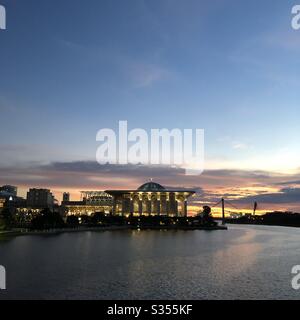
245,262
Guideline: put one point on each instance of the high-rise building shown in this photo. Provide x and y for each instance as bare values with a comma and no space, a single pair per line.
66,197
40,198
2,203
11,190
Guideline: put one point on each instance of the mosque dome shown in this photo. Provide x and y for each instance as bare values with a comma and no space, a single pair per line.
151,186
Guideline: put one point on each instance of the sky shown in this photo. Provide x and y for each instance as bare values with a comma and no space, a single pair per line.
71,67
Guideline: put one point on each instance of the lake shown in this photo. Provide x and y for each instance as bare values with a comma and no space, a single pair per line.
244,262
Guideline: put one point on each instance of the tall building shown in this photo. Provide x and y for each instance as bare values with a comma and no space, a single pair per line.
66,196
40,198
2,203
11,190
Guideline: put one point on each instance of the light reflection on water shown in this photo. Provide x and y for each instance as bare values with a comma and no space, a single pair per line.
245,262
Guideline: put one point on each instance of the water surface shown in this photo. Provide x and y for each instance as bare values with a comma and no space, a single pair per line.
245,262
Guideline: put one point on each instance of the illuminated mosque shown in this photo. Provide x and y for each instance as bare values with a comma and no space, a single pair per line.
150,199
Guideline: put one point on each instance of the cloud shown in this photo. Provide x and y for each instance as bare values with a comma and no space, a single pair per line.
239,145
284,196
146,74
288,40
286,183
30,155
235,144
140,73
239,186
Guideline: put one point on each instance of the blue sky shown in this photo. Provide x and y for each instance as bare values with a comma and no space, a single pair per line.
72,67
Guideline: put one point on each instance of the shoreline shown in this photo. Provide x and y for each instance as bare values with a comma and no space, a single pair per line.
24,232
263,224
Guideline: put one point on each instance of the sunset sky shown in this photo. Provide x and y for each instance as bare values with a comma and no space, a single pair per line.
230,67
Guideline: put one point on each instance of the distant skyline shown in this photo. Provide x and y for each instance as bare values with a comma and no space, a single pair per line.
72,67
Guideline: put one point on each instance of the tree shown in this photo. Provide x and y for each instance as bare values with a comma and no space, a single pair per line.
6,219
47,220
98,217
72,221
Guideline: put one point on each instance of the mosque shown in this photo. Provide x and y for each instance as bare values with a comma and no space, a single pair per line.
150,199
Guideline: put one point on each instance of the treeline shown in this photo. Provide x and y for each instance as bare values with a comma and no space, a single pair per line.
100,219
47,219
272,218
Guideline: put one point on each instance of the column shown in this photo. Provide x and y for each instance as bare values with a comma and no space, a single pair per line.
168,203
123,205
140,205
114,206
131,206
149,205
185,208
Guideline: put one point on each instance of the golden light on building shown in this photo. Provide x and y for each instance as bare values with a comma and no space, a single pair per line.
150,199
